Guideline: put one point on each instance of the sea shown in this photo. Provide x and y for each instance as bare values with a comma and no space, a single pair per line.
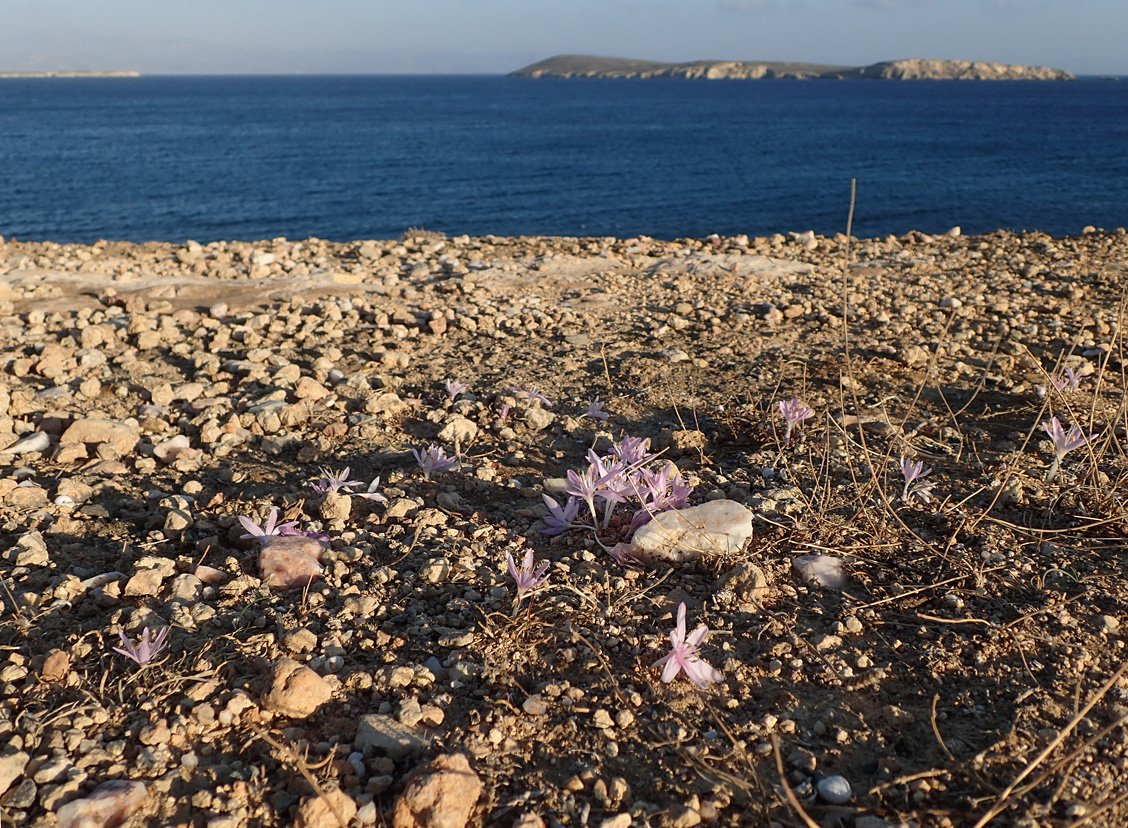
172,158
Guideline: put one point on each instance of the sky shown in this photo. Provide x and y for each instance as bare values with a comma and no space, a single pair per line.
498,36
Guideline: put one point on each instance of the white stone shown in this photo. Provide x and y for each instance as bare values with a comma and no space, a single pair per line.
39,441
835,790
719,527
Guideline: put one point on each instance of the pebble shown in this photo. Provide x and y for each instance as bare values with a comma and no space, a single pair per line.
11,768
441,794
296,691
834,789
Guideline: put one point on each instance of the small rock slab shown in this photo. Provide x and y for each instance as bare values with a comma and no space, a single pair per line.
296,690
95,430
385,735
441,794
719,527
112,803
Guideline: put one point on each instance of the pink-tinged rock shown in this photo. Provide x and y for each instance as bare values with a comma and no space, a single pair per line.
210,575
291,561
173,449
120,437
441,794
111,804
323,811
296,691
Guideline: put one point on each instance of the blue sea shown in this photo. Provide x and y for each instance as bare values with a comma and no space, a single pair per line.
345,157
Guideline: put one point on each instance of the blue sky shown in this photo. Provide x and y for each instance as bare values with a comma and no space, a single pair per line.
496,36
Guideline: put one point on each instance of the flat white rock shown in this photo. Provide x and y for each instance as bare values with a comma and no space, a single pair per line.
719,527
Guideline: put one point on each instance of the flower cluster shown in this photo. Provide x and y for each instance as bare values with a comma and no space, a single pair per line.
620,476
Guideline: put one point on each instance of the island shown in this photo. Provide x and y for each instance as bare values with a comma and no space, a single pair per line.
123,74
585,66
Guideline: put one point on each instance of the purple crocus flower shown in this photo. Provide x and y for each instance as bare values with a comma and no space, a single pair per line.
560,519
632,451
683,655
533,395
594,409
526,577
262,533
147,647
433,460
914,471
454,388
331,483
1063,443
794,412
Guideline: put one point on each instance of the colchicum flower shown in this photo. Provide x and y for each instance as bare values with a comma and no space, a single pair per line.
454,388
794,412
331,483
270,530
433,460
914,471
533,395
594,410
560,519
147,647
683,655
1063,443
526,577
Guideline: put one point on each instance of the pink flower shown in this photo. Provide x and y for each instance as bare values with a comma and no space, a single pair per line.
526,577
683,655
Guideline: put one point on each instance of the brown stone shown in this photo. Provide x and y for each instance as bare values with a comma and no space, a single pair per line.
296,691
55,668
441,794
325,811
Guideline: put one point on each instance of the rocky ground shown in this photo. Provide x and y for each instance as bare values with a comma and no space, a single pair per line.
970,672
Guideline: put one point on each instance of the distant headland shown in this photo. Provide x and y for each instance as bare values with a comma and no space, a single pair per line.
584,66
70,74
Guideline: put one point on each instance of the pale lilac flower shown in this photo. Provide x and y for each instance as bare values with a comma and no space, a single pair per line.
794,412
560,519
1068,380
683,655
372,494
331,483
503,413
261,533
433,460
594,409
526,577
454,388
592,483
1063,443
147,647
533,395
633,451
914,471
659,492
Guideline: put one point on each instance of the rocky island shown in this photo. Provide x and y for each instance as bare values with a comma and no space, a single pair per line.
584,66
69,74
